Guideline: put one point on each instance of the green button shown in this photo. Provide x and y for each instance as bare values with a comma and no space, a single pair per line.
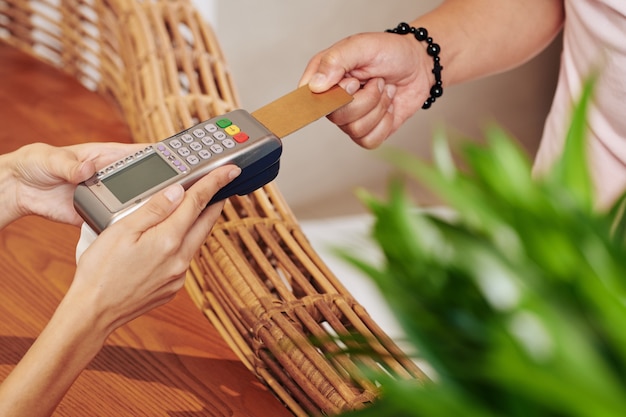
222,123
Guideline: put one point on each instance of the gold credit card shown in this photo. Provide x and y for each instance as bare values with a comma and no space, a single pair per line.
300,108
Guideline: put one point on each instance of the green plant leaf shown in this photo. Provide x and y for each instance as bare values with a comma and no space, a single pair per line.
571,171
519,299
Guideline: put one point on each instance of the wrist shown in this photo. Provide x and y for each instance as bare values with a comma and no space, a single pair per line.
433,50
81,309
79,321
10,211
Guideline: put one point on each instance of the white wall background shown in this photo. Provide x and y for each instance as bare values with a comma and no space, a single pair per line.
267,45
208,8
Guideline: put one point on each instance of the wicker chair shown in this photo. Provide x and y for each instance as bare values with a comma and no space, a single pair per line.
256,278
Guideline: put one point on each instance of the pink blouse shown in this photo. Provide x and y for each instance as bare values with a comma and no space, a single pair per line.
594,39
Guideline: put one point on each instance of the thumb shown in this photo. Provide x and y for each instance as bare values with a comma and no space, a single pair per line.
325,69
351,62
82,172
67,166
155,210
345,58
323,74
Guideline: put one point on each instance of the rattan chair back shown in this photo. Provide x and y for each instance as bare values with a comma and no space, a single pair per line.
257,279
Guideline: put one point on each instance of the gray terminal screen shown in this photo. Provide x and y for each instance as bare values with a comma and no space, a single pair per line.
139,177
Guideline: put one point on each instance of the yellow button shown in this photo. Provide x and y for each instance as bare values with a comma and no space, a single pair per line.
232,130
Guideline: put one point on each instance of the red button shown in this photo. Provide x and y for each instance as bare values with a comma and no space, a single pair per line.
241,137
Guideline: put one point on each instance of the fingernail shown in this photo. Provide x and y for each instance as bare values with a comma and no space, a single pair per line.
381,85
352,87
174,193
85,170
317,80
234,173
391,90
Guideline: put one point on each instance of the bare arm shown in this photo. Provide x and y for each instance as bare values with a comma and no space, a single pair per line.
390,75
482,37
134,266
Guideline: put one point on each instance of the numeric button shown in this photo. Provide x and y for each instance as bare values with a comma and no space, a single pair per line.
210,127
217,148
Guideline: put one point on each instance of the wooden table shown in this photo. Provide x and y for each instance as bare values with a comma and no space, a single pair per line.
170,362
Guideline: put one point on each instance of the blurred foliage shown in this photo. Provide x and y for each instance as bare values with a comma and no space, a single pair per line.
517,301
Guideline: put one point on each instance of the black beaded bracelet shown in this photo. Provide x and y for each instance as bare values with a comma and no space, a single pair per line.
433,50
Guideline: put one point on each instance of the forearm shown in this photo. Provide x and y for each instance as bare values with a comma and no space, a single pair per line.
64,348
482,37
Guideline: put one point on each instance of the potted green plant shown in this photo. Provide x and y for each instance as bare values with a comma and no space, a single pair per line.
517,301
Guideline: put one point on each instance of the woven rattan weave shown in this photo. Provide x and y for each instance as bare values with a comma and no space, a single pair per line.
256,278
